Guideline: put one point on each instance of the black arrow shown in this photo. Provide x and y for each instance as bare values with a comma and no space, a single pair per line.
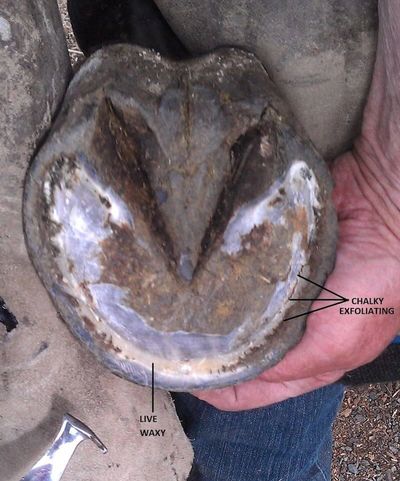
336,301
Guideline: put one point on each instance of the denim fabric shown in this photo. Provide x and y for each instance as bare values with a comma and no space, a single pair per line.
289,441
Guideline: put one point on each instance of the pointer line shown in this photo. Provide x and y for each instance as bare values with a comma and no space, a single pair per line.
316,299
315,310
322,287
152,387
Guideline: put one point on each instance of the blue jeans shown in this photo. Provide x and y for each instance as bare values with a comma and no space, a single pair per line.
289,441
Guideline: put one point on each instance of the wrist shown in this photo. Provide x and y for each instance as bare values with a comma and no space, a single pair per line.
368,198
377,151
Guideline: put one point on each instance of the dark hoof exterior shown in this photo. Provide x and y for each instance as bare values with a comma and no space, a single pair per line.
170,212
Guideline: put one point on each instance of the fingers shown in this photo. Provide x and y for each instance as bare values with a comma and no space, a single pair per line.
309,358
331,343
259,393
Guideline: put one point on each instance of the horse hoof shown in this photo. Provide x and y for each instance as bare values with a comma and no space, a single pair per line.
170,212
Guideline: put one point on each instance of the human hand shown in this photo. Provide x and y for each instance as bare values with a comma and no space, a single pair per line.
367,199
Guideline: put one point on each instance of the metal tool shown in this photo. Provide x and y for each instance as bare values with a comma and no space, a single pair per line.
52,465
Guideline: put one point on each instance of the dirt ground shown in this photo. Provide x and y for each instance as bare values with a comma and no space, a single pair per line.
367,430
367,435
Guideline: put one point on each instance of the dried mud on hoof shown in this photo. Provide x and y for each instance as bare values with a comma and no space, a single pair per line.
170,212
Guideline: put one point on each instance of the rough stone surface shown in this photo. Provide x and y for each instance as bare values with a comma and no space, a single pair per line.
170,211
320,54
43,370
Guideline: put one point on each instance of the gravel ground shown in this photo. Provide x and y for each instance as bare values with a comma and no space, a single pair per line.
367,430
367,435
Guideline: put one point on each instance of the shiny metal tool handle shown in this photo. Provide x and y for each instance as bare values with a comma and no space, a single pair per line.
52,465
